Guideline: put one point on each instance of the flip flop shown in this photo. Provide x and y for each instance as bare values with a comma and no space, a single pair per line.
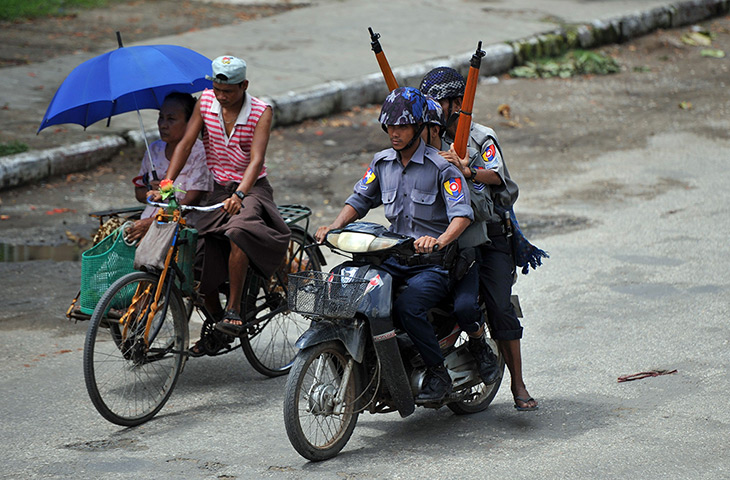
196,350
229,328
525,400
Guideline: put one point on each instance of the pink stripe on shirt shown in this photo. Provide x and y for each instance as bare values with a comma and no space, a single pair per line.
227,158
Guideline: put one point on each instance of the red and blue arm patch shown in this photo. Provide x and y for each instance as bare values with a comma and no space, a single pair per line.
489,153
453,189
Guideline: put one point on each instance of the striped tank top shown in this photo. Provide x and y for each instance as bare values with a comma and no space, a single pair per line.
228,157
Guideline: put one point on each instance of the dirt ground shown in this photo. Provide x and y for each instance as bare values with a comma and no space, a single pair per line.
554,126
26,41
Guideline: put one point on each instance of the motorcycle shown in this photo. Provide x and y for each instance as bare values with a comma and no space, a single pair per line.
354,358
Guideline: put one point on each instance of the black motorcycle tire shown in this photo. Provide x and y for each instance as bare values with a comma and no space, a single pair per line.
305,394
486,392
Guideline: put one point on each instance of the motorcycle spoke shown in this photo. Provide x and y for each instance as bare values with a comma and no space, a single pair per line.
323,427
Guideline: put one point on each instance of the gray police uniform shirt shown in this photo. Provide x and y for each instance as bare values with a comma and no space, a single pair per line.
484,152
420,199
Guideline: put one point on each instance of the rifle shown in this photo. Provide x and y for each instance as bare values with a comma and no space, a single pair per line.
390,80
461,139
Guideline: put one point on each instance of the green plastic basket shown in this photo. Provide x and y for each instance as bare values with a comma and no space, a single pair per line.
102,265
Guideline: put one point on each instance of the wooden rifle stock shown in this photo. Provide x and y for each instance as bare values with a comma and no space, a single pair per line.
390,80
461,139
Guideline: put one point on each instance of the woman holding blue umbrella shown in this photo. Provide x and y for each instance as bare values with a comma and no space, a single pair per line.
249,228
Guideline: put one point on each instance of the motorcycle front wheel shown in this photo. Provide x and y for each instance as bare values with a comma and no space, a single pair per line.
319,401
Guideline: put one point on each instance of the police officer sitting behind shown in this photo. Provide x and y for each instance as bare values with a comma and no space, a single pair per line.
424,197
487,174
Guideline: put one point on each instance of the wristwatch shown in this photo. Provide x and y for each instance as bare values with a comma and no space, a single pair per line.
473,173
239,194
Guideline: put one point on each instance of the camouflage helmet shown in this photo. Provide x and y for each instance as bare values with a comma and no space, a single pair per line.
403,106
434,112
443,83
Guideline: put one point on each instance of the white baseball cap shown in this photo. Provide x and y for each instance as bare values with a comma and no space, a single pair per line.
228,69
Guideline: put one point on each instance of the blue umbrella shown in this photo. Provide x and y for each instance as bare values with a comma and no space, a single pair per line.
124,80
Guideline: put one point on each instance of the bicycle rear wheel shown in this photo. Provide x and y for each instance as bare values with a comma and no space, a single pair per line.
269,345
128,380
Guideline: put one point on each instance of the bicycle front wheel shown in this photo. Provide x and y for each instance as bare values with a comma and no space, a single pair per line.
269,345
130,370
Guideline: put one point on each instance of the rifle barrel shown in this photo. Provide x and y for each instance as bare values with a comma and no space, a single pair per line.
390,80
461,139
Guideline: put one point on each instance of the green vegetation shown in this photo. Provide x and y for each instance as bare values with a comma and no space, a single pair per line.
575,62
12,10
11,148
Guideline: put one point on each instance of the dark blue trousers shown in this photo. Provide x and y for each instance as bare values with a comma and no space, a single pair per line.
496,273
426,287
466,301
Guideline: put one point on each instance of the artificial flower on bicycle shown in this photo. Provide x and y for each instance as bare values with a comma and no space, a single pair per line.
168,191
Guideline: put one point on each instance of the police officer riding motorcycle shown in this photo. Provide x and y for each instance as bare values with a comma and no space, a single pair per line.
383,337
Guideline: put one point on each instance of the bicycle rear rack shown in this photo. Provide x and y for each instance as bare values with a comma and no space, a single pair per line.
294,213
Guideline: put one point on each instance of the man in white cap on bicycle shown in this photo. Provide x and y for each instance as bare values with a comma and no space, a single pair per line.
248,229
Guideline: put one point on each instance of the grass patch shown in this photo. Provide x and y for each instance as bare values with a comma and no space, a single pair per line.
12,10
575,62
11,148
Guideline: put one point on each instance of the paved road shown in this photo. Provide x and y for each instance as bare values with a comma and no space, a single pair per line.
635,191
645,287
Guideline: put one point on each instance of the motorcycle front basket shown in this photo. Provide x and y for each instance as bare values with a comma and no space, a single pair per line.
324,294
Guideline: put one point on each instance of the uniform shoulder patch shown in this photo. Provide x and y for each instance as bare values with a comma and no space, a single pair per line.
453,189
489,153
367,179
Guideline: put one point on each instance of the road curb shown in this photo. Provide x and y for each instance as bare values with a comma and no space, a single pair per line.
336,96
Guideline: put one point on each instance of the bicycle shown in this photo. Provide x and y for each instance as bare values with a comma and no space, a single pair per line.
137,341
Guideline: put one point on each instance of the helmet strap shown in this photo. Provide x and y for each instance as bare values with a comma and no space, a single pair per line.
452,116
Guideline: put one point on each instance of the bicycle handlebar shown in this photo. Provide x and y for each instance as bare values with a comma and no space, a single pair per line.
207,208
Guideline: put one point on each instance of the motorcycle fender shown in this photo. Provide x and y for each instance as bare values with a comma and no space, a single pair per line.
394,373
351,333
376,305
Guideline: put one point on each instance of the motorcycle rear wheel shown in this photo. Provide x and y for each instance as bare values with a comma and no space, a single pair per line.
480,396
314,429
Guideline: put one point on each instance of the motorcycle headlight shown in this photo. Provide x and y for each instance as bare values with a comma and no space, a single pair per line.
381,243
358,242
354,242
